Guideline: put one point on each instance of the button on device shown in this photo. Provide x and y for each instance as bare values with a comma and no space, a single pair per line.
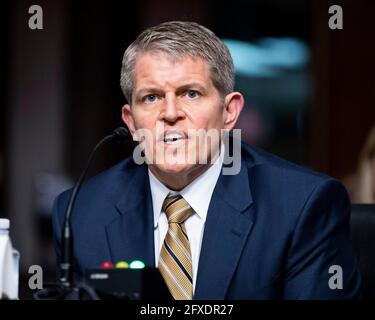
122,265
106,265
136,264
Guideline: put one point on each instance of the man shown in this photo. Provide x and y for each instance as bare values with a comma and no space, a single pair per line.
273,230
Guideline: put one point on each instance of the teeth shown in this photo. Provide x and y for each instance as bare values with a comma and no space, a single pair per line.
173,137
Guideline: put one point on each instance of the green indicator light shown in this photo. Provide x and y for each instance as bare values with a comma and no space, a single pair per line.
136,264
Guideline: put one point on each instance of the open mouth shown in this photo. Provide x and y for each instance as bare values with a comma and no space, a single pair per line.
172,138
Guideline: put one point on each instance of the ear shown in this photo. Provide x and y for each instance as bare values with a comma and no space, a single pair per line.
233,105
127,117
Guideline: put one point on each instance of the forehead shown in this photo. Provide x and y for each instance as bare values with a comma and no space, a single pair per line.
156,68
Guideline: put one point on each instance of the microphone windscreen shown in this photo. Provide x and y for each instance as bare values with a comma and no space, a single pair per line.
121,134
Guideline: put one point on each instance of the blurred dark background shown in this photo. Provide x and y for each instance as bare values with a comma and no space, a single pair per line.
309,91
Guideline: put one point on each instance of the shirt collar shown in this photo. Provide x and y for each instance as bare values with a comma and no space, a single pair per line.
198,193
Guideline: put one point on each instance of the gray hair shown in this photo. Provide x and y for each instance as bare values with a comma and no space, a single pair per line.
178,39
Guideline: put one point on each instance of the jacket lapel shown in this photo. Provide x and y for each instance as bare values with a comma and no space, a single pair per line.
229,221
131,234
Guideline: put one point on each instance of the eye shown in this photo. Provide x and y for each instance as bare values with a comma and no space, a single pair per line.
150,98
192,94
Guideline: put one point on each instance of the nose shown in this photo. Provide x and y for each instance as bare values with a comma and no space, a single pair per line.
171,111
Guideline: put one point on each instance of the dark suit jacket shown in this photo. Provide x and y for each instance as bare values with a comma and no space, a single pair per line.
272,231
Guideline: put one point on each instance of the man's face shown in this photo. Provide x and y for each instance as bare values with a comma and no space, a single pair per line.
178,96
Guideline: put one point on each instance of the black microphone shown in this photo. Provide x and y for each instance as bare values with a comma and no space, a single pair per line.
120,135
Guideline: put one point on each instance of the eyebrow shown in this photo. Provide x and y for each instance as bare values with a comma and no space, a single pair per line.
154,89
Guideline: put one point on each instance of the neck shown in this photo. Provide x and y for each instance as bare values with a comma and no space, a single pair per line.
177,181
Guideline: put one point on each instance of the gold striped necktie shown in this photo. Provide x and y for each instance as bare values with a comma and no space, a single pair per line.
175,264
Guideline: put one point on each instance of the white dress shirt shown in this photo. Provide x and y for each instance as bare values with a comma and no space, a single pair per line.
198,194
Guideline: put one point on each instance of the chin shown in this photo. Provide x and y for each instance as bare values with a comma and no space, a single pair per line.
173,168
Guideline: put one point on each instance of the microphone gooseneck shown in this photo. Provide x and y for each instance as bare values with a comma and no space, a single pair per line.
121,135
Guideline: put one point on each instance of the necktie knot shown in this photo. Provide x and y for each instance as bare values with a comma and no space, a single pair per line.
177,209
